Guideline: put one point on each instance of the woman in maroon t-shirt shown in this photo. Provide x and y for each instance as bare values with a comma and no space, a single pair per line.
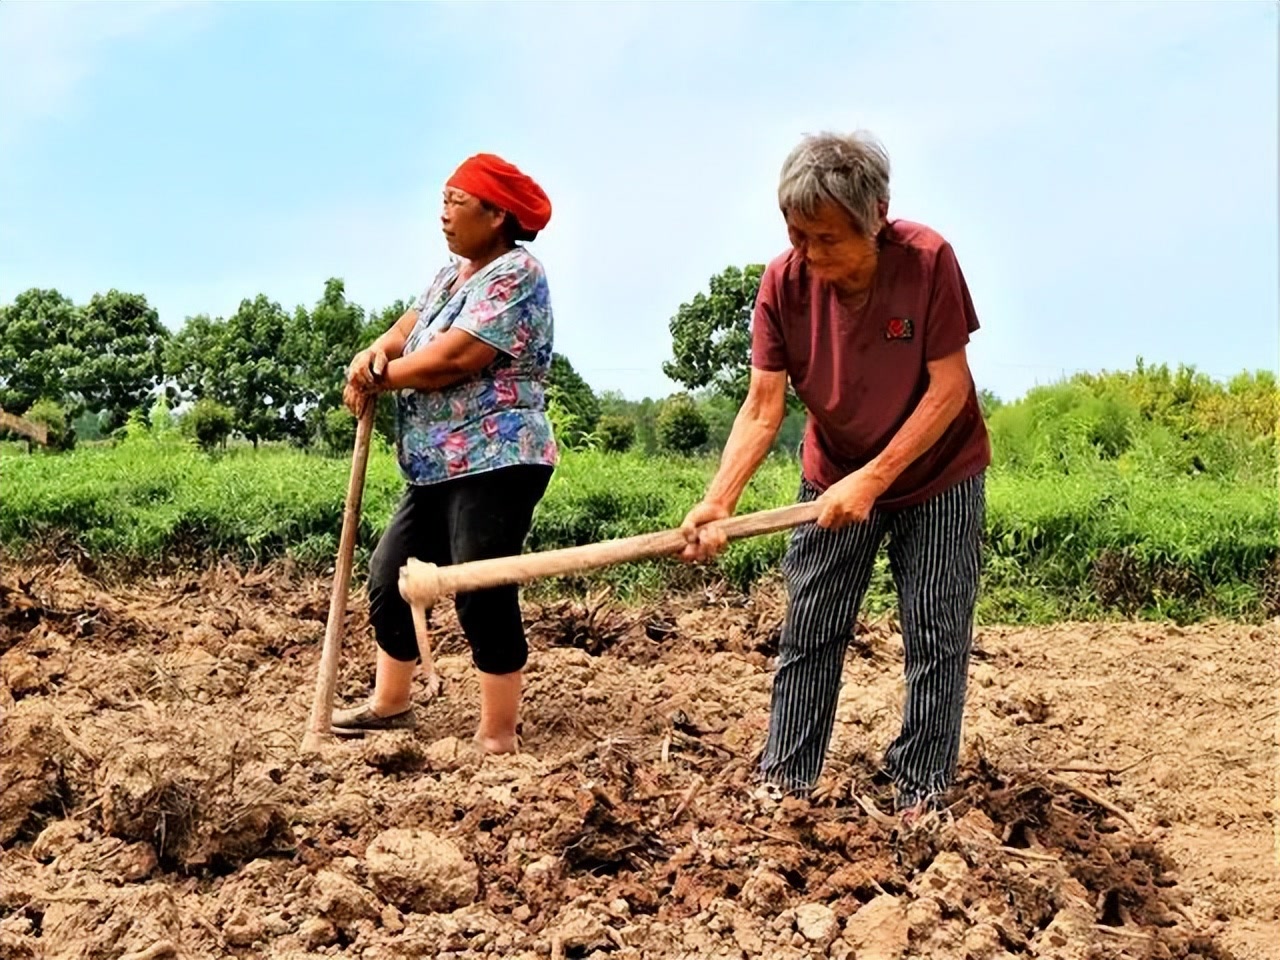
868,318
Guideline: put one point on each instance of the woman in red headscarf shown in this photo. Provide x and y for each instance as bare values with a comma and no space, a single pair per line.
468,366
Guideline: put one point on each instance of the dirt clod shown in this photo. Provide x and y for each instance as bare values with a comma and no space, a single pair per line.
32,754
107,923
817,923
879,930
56,839
419,871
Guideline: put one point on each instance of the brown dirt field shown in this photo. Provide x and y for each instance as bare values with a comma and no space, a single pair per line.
1117,795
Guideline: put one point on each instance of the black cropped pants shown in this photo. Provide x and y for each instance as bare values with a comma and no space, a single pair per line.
476,517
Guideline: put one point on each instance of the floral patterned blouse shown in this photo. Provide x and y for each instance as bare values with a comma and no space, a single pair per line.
496,418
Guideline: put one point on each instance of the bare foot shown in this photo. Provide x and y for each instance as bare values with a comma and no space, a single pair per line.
498,744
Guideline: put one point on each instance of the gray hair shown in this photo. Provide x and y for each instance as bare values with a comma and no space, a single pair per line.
851,170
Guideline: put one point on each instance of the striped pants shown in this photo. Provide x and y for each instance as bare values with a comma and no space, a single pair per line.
934,552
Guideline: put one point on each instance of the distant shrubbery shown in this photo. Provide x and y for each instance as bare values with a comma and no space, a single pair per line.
1137,493
1151,421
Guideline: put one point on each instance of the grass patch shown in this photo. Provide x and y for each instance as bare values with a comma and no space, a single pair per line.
1096,542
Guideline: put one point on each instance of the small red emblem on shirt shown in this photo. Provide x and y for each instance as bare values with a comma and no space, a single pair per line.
898,328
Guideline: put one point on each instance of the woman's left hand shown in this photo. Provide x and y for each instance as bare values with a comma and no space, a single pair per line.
367,368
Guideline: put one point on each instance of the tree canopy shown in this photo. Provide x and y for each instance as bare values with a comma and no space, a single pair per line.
711,334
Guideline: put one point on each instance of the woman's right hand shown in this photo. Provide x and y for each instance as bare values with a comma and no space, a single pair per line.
354,399
367,367
703,542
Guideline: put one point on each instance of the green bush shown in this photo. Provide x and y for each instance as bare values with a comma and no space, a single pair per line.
338,429
209,423
161,417
682,427
617,434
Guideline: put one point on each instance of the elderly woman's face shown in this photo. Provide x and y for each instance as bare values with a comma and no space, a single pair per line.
470,228
828,242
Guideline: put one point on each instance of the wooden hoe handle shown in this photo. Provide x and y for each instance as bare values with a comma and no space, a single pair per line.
322,705
421,584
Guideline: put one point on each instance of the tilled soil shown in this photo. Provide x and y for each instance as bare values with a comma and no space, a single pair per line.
1117,795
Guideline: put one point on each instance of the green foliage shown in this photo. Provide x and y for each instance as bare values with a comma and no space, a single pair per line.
208,423
642,413
54,419
320,345
135,429
596,496
1082,545
192,358
617,434
682,427
249,364
87,427
1150,421
384,420
989,402
711,334
790,433
262,386
580,410
35,349
280,374
119,342
339,430
160,417
103,357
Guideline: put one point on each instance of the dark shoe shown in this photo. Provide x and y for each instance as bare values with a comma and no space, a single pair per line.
355,721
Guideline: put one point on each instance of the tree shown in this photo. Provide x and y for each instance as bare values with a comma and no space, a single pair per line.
104,358
381,321
614,404
244,362
263,378
681,426
719,411
35,348
118,342
617,434
988,402
711,335
643,415
193,358
577,399
321,344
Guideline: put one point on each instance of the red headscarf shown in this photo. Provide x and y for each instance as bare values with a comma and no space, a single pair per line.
489,177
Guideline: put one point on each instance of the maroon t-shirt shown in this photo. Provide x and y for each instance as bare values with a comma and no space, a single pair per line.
862,374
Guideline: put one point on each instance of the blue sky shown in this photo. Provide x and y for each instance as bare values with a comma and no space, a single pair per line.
1107,173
